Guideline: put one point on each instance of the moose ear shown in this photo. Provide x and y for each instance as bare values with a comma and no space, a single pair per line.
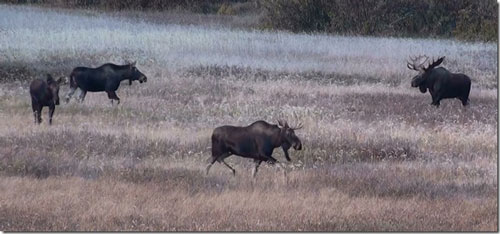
133,64
60,80
49,78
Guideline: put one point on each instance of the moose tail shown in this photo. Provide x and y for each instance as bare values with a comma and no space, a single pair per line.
73,86
72,81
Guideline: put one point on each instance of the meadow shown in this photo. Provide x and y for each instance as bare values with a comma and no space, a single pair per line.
377,156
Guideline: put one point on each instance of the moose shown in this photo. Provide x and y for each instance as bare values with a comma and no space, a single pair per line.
44,93
441,83
104,78
256,141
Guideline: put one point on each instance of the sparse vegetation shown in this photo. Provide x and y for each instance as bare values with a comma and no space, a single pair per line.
377,156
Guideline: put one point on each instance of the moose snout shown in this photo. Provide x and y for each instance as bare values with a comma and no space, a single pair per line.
298,146
143,79
414,84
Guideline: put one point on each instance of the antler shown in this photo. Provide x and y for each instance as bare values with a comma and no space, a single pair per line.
298,127
282,123
415,64
434,63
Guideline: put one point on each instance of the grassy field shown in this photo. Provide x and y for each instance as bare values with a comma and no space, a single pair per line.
377,156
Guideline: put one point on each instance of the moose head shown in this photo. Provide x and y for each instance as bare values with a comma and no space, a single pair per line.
135,74
53,87
417,64
288,137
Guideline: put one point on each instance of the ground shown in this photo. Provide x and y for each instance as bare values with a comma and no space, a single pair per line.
377,156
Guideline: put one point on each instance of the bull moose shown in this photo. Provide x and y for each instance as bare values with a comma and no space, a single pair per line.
44,93
104,78
256,141
440,82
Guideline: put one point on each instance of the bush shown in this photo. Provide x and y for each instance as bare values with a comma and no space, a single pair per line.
296,15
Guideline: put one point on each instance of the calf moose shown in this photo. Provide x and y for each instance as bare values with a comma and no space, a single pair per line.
256,141
104,78
440,82
44,93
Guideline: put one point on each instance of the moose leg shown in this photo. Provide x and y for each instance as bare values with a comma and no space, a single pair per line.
283,168
227,165
465,100
287,156
219,158
112,96
257,164
35,115
70,93
36,109
52,108
82,95
38,114
436,98
465,97
271,160
437,103
210,164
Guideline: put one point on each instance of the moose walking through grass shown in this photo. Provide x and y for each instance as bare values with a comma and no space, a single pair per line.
256,141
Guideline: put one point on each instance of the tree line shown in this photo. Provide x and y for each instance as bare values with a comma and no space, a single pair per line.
461,19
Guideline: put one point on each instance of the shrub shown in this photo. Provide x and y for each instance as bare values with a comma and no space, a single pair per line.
296,15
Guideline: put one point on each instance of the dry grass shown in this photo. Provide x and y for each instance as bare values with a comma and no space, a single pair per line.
183,203
377,156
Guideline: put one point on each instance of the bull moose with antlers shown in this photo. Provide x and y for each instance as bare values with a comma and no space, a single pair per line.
440,82
256,141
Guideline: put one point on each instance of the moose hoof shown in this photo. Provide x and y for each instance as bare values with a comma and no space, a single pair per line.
272,161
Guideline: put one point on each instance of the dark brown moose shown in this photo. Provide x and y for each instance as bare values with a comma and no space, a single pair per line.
44,93
105,78
441,83
256,141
